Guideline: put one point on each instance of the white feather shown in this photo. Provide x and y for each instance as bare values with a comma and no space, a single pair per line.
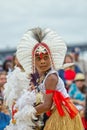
16,82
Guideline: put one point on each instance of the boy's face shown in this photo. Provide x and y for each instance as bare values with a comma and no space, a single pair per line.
42,64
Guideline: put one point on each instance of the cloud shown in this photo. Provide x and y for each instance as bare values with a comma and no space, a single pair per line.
68,18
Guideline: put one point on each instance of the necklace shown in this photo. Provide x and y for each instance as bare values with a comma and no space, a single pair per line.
41,78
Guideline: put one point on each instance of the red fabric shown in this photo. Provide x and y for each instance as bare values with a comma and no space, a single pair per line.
59,99
48,113
69,74
13,111
84,121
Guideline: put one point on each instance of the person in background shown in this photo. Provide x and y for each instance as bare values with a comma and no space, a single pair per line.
68,74
15,63
7,65
77,91
4,115
81,63
75,67
3,80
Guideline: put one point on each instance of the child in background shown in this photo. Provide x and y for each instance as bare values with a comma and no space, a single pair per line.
4,115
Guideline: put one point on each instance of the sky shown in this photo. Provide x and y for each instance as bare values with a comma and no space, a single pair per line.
67,17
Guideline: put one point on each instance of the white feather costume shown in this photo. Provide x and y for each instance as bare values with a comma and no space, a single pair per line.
17,88
25,112
17,81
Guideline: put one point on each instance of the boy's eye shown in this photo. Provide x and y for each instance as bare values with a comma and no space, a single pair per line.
46,57
38,58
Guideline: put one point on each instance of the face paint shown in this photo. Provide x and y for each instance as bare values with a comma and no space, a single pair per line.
39,50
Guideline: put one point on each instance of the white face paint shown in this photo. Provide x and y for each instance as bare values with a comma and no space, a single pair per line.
41,49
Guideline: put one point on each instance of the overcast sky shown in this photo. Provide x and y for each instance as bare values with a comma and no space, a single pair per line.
67,17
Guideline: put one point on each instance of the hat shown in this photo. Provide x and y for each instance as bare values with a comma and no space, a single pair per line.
76,50
69,74
67,65
79,76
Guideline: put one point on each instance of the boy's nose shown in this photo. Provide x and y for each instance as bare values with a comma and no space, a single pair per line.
42,61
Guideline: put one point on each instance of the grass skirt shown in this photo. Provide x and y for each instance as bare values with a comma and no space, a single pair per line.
56,122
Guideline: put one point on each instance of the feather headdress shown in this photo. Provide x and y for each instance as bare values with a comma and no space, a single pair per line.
34,36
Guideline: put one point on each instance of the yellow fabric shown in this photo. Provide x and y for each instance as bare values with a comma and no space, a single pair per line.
56,122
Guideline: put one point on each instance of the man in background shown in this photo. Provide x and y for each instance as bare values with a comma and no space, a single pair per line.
81,63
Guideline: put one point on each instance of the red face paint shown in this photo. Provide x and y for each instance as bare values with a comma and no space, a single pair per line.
41,55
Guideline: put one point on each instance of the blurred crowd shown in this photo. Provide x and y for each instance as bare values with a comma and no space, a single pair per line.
74,77
5,68
75,80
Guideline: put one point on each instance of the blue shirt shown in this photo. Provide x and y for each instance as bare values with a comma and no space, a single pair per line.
4,120
75,93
